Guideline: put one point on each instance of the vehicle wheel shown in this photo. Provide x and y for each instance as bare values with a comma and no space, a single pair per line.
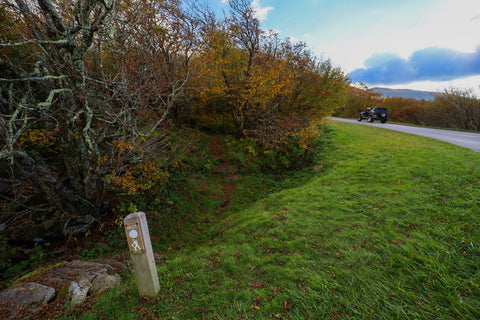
370,119
383,121
359,118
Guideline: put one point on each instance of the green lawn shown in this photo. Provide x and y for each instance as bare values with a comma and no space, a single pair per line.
387,228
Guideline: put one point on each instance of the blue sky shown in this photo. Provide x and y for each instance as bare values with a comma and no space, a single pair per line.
414,44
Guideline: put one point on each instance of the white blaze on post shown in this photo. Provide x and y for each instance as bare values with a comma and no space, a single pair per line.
140,247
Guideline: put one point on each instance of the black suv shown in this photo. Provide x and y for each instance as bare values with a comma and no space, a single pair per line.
372,114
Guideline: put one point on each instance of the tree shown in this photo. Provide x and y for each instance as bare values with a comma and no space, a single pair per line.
406,110
90,89
146,70
50,121
461,109
358,98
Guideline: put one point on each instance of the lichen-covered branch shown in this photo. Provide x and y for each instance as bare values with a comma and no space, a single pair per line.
44,78
52,112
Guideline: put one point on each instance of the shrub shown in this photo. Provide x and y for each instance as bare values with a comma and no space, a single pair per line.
292,148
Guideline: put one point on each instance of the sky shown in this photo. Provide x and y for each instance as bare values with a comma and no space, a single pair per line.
430,45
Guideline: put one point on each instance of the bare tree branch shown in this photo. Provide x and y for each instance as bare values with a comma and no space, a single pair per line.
44,78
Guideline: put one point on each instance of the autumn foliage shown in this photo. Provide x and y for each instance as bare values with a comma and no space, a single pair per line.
97,99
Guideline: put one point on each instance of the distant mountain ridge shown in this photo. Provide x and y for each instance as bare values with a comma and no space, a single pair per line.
406,93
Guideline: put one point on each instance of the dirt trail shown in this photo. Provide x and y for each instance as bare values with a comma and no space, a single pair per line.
225,171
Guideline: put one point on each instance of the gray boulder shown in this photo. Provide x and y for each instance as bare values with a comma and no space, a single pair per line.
27,298
78,291
81,278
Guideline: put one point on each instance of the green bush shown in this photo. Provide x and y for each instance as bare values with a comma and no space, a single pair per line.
298,149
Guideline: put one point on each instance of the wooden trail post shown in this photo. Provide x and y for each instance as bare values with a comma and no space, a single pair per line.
140,246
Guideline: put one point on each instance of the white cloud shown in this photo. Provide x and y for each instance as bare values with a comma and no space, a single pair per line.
260,12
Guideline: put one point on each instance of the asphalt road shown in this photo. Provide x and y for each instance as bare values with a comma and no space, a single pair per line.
465,139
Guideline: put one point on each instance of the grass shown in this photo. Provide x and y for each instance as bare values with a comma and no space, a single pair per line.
387,228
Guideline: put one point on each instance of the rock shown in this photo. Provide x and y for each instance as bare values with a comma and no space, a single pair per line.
88,278
76,270
26,298
78,291
78,279
103,282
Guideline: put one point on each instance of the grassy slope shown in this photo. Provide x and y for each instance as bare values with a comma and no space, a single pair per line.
387,228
